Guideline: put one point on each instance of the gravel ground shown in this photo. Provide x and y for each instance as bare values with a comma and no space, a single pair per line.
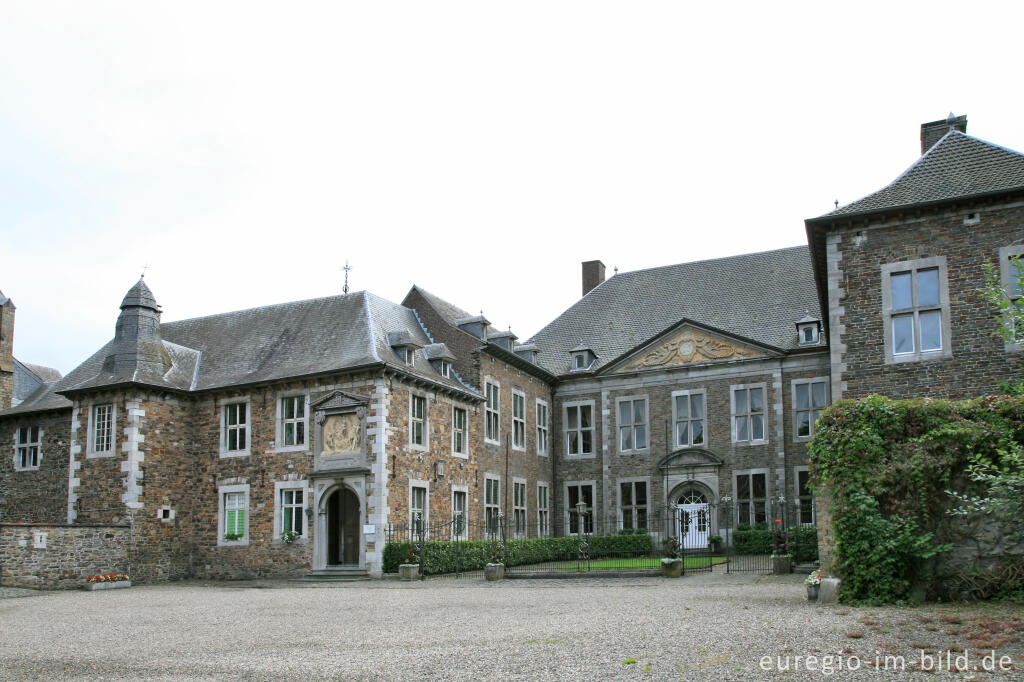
709,627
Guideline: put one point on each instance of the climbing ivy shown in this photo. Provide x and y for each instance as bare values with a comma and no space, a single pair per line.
890,466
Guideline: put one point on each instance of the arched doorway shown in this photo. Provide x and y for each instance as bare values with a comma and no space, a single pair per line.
342,528
693,516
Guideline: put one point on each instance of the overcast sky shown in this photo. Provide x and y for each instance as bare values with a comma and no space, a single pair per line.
482,150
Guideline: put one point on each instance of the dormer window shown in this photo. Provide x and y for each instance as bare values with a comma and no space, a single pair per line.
579,361
404,346
445,369
808,330
582,357
409,359
439,357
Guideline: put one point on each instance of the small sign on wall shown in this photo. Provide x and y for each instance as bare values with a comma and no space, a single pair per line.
39,539
369,529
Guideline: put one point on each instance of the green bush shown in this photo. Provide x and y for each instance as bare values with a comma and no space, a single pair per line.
804,541
443,556
752,542
890,466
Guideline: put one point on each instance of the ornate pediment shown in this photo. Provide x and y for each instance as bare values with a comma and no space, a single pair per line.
687,346
689,458
339,400
339,430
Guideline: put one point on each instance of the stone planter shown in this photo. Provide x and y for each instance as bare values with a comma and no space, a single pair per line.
782,565
671,568
108,586
812,592
409,571
494,571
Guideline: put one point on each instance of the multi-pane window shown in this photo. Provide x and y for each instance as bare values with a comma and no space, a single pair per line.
1011,270
492,505
236,505
542,428
575,493
235,427
292,518
916,318
459,521
102,427
579,429
417,420
459,445
751,498
491,412
633,502
418,509
519,507
28,445
518,420
543,511
632,424
804,498
690,425
293,420
748,414
809,399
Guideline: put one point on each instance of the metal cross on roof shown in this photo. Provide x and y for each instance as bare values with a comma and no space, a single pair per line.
144,268
347,267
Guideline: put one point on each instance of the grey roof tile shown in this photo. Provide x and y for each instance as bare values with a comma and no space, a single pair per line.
957,166
756,296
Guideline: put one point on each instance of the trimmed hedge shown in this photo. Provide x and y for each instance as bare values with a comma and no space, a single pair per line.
440,556
803,543
752,542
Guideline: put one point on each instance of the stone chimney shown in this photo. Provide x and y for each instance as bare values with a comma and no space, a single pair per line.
934,131
6,352
593,274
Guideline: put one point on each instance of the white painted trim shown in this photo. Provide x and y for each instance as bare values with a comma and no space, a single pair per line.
525,508
37,443
619,518
90,451
279,421
565,506
675,418
796,497
732,412
547,508
888,269
465,431
521,394
593,429
810,396
221,492
768,490
497,410
223,403
464,489
307,493
646,424
417,483
546,426
426,421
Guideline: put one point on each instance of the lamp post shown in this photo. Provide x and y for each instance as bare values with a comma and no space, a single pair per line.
583,544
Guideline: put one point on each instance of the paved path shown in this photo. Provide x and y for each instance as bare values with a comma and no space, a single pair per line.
712,626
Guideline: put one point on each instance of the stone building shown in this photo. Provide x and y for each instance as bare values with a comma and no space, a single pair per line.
285,440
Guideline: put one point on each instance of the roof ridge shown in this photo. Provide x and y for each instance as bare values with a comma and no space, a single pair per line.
369,325
705,260
265,307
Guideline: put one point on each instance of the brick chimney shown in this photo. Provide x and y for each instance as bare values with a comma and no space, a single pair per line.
6,352
934,131
593,274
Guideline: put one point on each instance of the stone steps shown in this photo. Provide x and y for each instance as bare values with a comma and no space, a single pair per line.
335,575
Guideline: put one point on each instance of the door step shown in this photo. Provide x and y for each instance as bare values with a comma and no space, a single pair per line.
327,575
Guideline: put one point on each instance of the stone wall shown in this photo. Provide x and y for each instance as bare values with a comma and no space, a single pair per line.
35,495
979,361
60,556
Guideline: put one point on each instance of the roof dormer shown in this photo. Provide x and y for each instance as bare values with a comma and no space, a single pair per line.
403,344
440,358
808,330
583,357
527,351
477,326
506,340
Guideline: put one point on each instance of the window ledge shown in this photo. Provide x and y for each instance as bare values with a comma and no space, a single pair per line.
748,443
460,455
233,543
96,455
635,451
589,455
16,469
492,442
301,540
224,454
291,448
419,448
919,357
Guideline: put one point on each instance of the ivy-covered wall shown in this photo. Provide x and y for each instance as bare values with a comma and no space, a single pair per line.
887,468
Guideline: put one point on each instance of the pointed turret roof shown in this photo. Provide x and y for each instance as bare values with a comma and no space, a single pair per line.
140,296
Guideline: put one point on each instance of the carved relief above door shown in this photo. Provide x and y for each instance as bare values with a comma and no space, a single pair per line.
689,346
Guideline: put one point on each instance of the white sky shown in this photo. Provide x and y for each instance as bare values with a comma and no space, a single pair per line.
478,149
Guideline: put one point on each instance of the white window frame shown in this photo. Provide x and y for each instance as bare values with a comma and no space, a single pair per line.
739,473
631,509
675,418
464,431
489,411
222,493
764,413
409,356
424,421
520,519
279,507
464,491
280,421
91,450
1007,278
888,312
543,413
569,512
815,330
796,496
543,512
797,438
222,406
444,369
28,445
496,506
579,430
518,423
425,517
632,426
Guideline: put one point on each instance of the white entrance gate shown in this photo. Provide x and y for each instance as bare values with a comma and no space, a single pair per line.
693,520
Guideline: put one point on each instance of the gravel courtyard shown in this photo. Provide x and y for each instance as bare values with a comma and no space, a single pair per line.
709,627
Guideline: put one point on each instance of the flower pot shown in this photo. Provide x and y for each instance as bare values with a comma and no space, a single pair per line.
109,585
409,571
494,571
812,592
782,564
671,568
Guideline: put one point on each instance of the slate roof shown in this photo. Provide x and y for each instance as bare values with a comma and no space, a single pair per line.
957,166
757,296
452,314
275,342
